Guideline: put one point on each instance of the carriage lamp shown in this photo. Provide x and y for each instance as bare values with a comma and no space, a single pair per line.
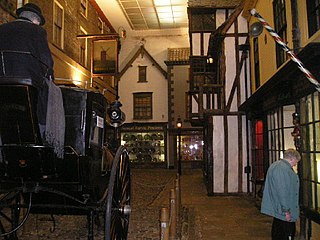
179,125
116,116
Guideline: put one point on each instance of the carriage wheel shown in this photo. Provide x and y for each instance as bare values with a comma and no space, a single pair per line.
119,197
10,209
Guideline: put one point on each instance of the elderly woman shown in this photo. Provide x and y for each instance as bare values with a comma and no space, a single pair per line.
281,196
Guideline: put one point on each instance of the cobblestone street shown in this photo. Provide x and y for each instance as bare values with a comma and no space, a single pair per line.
204,218
147,199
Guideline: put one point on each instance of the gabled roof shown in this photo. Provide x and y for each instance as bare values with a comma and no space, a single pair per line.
143,51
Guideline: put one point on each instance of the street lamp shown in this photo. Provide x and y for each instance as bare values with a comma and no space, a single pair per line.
179,125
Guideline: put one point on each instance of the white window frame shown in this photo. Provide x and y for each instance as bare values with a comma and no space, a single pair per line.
54,26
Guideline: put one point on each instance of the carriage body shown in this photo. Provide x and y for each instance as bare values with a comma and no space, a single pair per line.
78,183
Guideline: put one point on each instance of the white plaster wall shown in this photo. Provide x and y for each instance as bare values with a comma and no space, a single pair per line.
230,69
156,83
218,154
220,17
233,149
242,24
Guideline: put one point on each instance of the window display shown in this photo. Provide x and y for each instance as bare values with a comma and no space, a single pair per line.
144,146
191,148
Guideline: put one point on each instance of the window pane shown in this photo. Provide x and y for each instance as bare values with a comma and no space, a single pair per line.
316,106
143,105
311,137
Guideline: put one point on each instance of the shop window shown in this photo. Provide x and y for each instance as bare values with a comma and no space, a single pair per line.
58,18
142,74
144,146
280,21
142,105
310,134
191,148
313,8
258,163
280,127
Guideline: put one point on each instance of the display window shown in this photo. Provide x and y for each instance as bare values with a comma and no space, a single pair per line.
191,148
144,146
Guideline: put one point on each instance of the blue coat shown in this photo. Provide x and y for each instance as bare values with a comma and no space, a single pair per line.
281,191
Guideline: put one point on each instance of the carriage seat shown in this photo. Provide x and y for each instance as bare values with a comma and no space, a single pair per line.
22,151
8,80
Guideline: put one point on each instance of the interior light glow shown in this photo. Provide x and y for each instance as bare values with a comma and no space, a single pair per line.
164,9
166,20
162,2
165,15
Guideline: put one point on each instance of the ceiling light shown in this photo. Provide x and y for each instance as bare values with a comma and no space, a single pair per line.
162,2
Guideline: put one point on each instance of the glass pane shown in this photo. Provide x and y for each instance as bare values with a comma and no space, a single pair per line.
313,196
304,138
288,139
311,137
318,198
313,167
309,108
307,200
276,125
269,121
287,115
318,168
306,166
303,111
317,137
316,106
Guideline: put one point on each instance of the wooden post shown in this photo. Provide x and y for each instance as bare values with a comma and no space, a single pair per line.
173,217
178,205
164,224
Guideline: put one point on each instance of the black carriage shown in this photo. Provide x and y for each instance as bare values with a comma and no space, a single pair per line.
88,180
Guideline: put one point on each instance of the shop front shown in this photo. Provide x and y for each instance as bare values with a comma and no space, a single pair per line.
146,143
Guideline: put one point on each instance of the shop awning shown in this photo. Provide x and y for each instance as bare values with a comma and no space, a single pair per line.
287,85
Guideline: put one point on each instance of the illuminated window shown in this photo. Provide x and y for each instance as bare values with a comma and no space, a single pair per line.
142,105
310,162
258,162
280,127
58,25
